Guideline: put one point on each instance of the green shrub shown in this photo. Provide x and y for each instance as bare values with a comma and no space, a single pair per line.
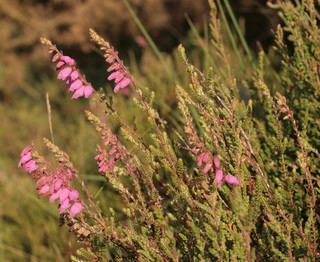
232,178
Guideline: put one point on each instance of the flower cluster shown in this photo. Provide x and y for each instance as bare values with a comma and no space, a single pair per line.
68,72
107,159
56,185
118,72
209,162
26,160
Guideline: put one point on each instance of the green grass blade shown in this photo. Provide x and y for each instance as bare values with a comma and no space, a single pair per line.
151,43
238,30
230,34
205,49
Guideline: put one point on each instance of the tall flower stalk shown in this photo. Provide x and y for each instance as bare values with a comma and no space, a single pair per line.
68,72
52,183
117,70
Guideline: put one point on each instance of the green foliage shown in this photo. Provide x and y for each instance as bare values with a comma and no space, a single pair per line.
262,124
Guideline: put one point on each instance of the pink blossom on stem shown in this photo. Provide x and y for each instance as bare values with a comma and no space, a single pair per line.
120,73
205,159
216,162
54,196
64,193
83,90
44,190
232,180
209,161
64,73
56,184
31,166
26,160
219,177
111,152
207,167
105,160
75,209
68,72
74,195
64,205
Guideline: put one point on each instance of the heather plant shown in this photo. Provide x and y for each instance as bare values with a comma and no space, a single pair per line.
234,178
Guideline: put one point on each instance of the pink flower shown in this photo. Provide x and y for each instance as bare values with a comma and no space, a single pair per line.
55,196
44,190
75,209
231,180
206,159
74,75
219,177
120,73
113,67
42,181
64,194
68,72
26,160
64,73
107,158
116,75
85,91
30,166
64,205
75,85
122,84
58,183
74,195
57,186
60,64
105,162
203,158
68,60
54,184
216,162
207,167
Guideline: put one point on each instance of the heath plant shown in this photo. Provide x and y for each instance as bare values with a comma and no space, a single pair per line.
233,179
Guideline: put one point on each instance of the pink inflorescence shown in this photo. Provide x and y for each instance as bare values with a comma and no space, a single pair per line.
56,185
111,152
107,159
212,163
26,160
118,72
68,72
209,162
105,162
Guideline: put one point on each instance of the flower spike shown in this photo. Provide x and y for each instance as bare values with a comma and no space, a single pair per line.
54,184
119,73
68,72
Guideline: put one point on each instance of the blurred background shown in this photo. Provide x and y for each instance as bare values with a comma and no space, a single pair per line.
29,225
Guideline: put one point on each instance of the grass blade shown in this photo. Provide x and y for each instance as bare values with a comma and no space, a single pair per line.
238,30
